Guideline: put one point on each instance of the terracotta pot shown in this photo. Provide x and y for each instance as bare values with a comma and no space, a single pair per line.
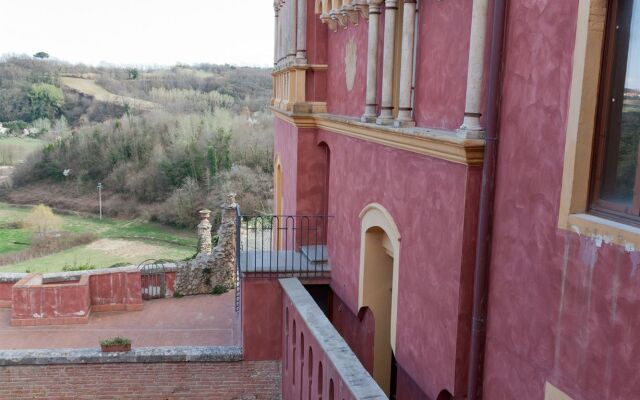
116,348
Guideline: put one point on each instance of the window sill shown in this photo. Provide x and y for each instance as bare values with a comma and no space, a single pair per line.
605,230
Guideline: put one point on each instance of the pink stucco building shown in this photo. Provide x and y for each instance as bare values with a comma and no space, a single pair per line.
389,117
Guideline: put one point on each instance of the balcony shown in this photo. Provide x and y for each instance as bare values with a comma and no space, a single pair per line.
283,246
289,89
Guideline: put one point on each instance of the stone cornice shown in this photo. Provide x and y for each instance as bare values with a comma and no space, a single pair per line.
439,144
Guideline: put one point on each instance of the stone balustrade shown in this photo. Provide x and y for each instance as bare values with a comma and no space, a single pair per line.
316,361
289,89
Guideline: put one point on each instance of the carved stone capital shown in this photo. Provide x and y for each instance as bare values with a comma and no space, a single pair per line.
362,6
350,13
339,17
327,19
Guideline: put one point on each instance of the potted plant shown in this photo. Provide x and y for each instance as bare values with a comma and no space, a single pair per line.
115,344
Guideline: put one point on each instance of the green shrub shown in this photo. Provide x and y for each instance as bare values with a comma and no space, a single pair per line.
219,289
116,341
78,267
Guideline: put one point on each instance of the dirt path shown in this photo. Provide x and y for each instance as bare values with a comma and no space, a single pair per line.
125,248
91,88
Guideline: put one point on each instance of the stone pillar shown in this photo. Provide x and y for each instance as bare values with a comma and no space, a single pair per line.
405,112
275,39
372,62
204,232
301,53
386,111
292,31
477,44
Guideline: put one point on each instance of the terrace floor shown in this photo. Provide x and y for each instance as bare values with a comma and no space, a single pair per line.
203,320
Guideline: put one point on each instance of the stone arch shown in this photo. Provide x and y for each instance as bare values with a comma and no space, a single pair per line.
378,284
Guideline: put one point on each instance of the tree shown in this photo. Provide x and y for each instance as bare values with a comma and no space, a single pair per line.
42,221
133,73
41,55
46,101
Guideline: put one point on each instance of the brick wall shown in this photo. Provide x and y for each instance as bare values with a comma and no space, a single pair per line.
259,380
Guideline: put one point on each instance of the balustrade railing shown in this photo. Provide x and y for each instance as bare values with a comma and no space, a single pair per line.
283,245
316,361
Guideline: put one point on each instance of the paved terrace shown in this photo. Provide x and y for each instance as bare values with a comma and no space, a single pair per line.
203,320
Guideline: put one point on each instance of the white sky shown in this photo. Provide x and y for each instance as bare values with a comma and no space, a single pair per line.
140,32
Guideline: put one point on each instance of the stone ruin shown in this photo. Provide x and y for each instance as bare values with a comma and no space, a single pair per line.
213,270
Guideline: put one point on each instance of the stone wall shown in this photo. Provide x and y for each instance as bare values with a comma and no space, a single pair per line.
243,380
216,272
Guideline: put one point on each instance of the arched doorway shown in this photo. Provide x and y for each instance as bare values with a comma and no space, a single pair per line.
278,200
378,289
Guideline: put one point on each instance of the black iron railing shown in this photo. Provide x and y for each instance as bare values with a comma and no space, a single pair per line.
283,245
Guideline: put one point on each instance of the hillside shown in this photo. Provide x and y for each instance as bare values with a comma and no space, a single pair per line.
90,88
164,142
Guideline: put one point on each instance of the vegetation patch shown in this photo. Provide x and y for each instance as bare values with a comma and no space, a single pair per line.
116,341
219,289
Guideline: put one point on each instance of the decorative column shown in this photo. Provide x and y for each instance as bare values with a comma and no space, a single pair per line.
405,112
301,39
372,62
477,44
275,39
292,31
204,232
386,116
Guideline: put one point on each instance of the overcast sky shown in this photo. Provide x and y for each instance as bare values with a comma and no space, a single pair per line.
140,32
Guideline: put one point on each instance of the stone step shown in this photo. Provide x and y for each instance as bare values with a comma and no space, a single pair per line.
316,254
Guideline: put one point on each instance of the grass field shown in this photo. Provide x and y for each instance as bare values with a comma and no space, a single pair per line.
91,88
15,150
119,242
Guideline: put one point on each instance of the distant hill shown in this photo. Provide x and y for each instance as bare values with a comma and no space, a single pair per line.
90,88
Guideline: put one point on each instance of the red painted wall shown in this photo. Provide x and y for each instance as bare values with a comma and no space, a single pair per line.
285,143
562,308
357,330
261,319
341,100
435,263
441,67
120,290
5,294
34,303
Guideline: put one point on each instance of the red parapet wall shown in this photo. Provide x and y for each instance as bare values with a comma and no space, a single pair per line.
36,302
5,294
116,291
316,361
261,319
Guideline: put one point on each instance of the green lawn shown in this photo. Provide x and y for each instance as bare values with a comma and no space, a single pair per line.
97,258
14,150
147,241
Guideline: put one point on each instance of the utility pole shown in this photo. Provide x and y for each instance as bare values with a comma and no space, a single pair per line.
100,198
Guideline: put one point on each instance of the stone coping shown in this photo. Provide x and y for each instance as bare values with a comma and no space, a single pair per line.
136,355
347,365
11,277
75,275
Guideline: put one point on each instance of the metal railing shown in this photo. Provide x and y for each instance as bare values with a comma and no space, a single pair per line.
238,253
282,245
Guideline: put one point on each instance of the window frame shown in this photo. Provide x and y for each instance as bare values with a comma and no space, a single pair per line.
612,61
